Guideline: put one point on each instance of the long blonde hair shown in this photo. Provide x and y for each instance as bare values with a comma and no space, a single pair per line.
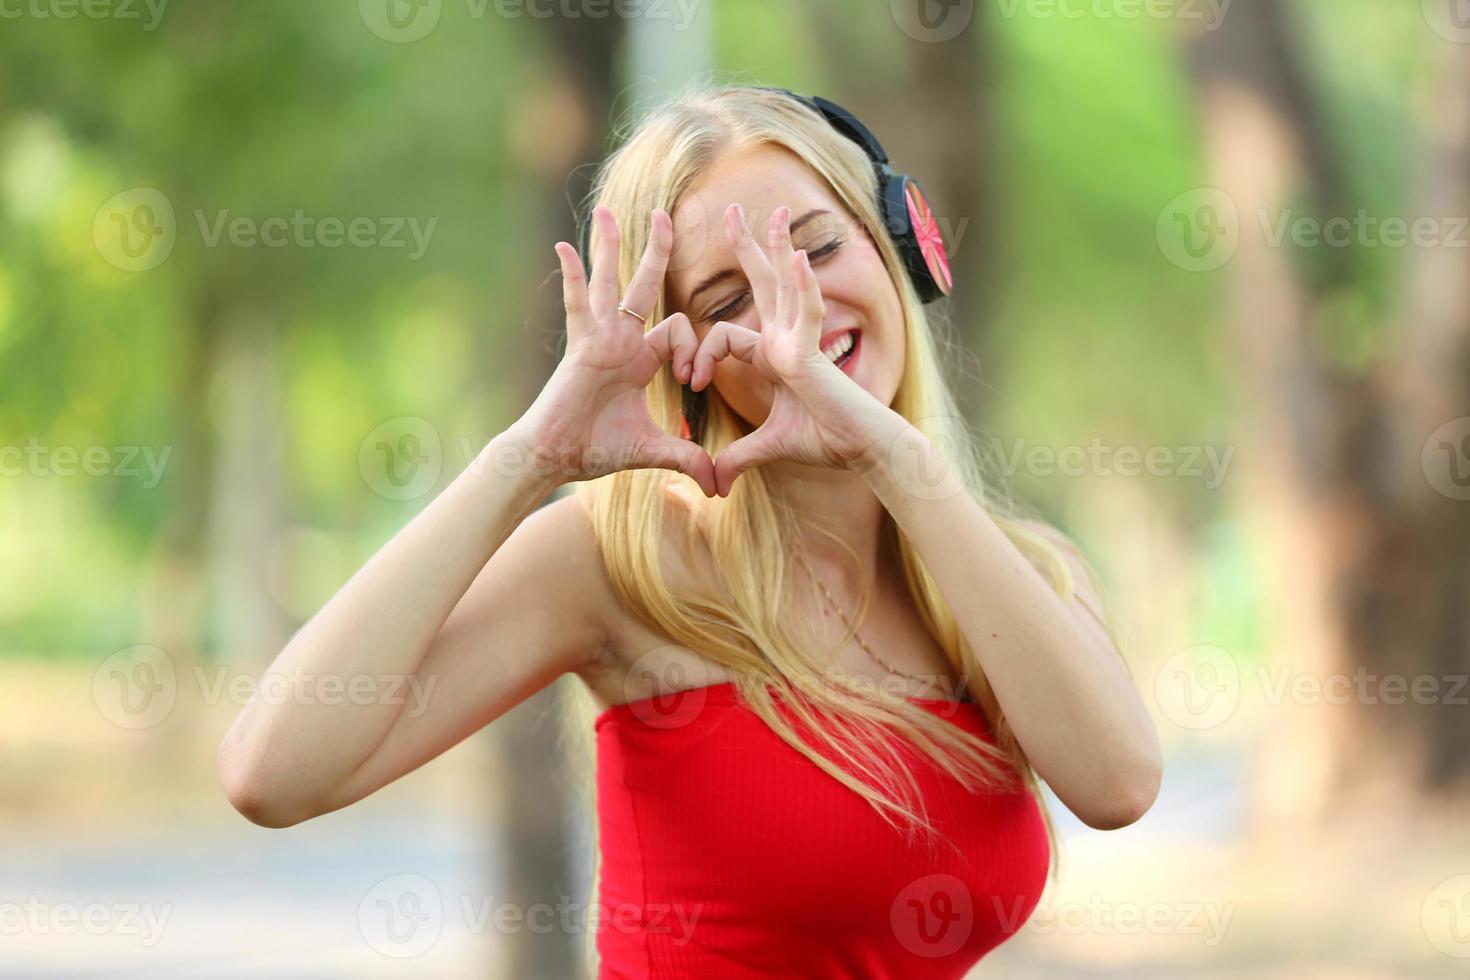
753,533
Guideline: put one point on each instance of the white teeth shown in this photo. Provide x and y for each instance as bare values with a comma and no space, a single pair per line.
839,346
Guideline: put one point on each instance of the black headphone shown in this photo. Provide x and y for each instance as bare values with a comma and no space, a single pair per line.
903,205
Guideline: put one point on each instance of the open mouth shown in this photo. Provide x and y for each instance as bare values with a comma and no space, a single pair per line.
842,350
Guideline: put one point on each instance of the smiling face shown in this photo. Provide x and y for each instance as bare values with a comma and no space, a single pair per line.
706,282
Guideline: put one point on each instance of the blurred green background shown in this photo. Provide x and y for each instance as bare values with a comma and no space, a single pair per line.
271,274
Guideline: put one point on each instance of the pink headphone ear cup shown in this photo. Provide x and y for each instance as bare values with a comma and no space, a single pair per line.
930,239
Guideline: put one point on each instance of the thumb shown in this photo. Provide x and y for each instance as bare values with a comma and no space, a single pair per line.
666,452
736,458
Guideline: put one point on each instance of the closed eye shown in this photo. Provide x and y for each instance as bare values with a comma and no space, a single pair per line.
738,303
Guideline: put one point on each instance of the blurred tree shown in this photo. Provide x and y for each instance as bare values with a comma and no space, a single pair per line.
1366,557
929,102
566,122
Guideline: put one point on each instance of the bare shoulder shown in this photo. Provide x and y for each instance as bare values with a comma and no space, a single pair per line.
639,659
562,552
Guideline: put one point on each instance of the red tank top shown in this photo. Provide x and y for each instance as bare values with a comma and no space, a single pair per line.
728,854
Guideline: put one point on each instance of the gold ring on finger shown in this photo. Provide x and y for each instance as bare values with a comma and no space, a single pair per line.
641,318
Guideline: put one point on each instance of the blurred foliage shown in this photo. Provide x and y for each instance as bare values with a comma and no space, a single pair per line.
269,108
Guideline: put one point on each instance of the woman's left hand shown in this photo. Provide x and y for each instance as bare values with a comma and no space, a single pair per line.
819,415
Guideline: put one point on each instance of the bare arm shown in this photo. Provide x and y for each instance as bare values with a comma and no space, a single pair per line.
1060,681
378,646
476,603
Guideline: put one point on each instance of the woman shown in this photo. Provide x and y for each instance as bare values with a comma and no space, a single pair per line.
827,669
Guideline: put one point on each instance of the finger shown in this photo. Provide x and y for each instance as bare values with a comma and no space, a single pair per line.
739,456
811,311
753,261
647,285
603,291
778,235
674,341
667,452
574,293
724,339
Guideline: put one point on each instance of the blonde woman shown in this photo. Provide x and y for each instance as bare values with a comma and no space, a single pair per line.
824,668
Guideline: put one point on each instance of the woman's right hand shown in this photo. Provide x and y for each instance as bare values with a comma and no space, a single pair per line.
592,417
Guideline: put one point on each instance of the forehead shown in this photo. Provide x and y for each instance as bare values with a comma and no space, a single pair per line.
760,179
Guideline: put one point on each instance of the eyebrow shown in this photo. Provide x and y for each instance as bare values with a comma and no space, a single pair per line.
715,279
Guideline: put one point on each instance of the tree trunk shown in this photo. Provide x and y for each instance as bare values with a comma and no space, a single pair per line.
538,809
1363,560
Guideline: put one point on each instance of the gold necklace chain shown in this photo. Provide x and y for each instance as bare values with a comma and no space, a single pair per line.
856,635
